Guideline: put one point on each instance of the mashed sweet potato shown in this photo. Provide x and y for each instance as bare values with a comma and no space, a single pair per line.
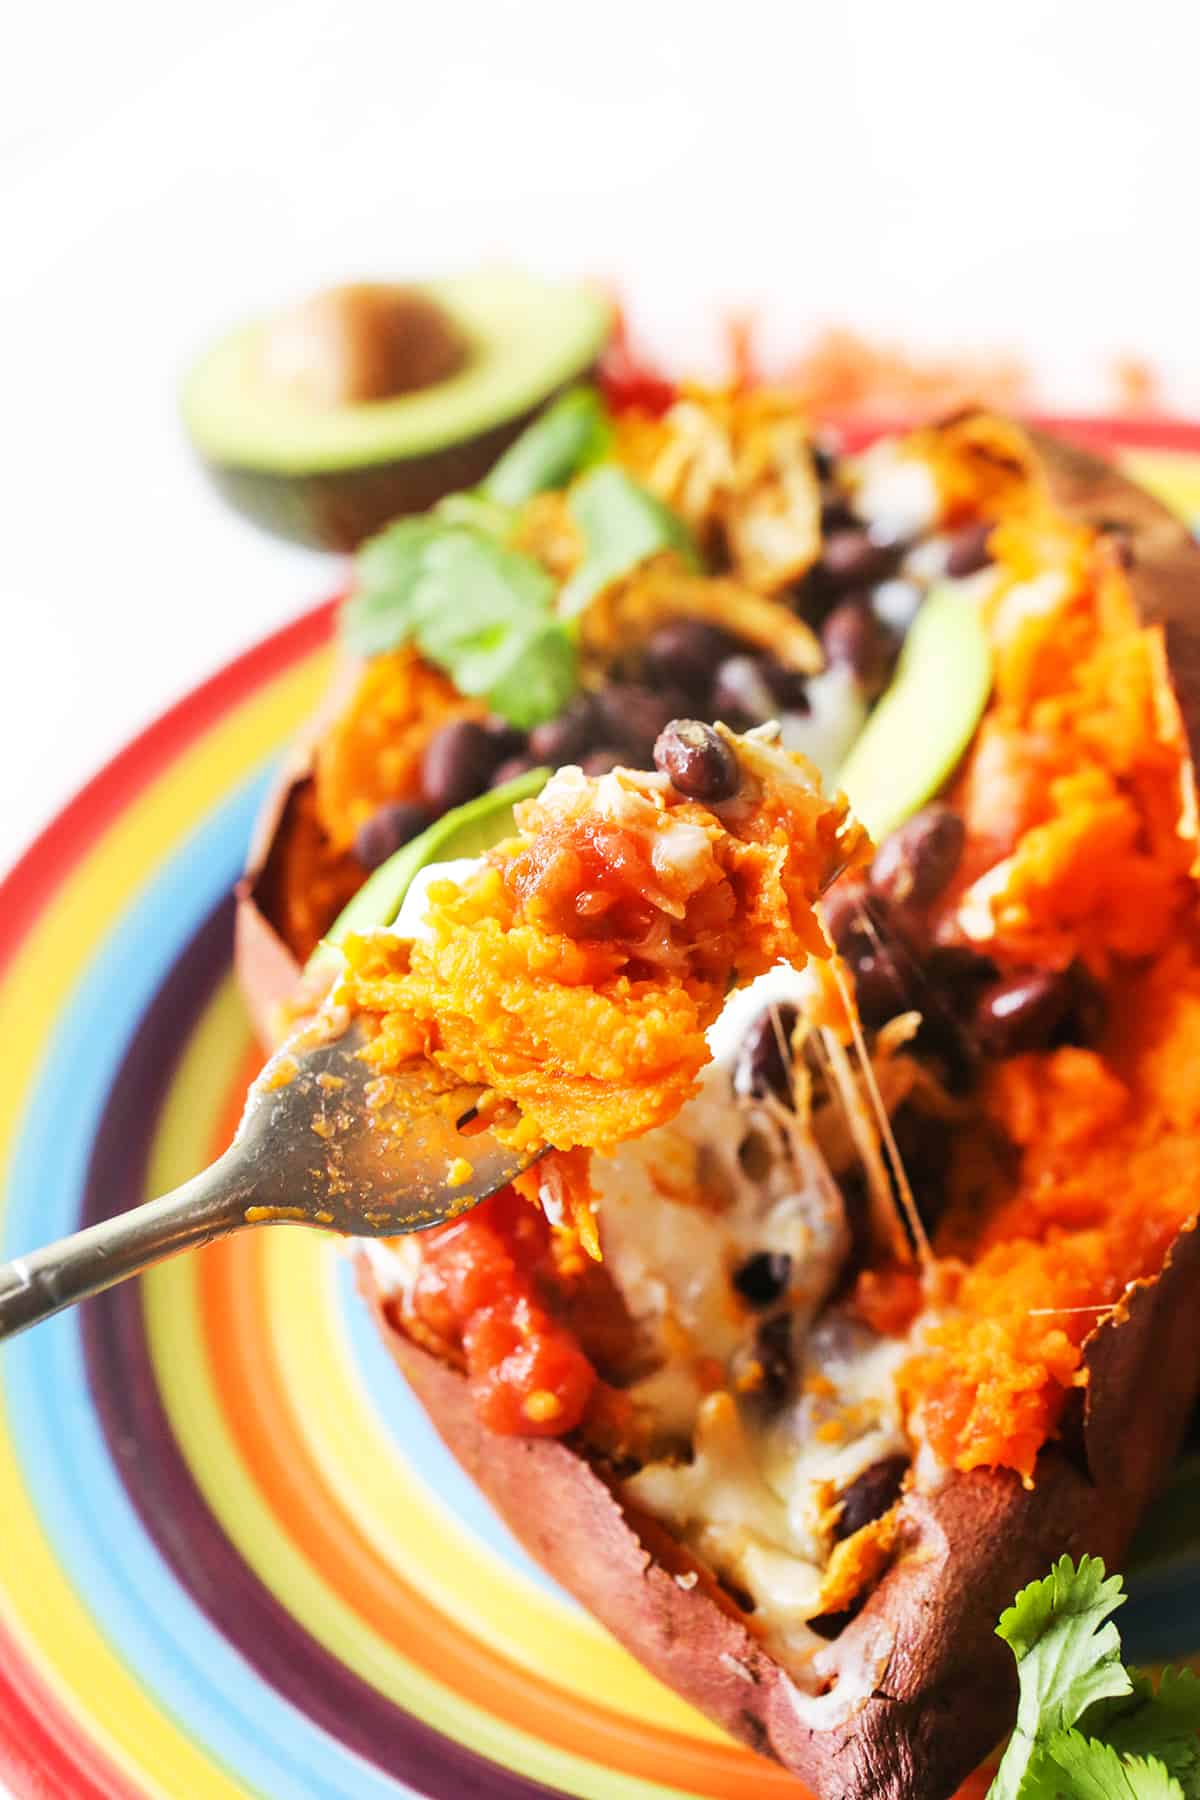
577,972
371,753
574,976
1076,851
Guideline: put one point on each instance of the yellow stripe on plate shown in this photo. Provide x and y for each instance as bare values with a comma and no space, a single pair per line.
1173,479
410,1527
177,1347
38,1604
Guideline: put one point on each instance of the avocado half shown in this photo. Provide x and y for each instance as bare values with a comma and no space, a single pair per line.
330,476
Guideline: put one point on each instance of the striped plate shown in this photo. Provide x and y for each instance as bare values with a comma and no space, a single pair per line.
234,1558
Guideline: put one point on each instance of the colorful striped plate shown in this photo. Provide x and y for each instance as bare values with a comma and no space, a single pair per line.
234,1558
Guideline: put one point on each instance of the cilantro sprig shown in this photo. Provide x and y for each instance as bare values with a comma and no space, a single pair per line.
483,613
1087,1727
622,525
569,436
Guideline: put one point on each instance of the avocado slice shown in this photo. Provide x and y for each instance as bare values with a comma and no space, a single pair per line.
924,722
330,474
464,831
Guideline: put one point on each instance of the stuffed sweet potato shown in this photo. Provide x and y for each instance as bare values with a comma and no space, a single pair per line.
712,564
898,1311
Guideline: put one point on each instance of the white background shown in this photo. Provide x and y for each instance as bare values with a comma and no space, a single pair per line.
957,174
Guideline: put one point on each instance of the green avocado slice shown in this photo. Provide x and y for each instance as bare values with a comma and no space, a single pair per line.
926,719
464,831
330,476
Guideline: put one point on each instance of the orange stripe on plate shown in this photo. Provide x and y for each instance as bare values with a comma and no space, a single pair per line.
258,1406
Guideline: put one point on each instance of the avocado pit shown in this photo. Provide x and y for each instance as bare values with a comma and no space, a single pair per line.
358,343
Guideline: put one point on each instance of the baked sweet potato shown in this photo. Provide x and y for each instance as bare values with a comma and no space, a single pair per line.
915,1688
919,1686
757,529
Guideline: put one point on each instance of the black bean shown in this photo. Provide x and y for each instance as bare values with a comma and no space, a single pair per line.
949,979
773,1348
824,451
512,767
764,1063
852,636
787,686
916,862
882,985
699,764
843,909
386,830
958,975
864,916
924,1144
457,764
968,550
836,513
506,739
870,935
851,558
687,653
1023,1011
870,1495
742,694
600,761
564,739
763,1278
831,1625
634,716
1087,1015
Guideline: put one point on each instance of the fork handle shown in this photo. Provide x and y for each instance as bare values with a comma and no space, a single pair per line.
34,1287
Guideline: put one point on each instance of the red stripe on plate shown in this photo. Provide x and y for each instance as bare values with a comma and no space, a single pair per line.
1179,435
43,1750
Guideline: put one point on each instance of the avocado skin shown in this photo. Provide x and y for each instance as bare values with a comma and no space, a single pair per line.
335,509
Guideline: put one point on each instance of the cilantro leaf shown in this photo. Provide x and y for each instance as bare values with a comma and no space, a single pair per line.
387,569
1088,1729
622,524
483,613
1094,1770
1043,1778
567,437
1161,1722
1068,1655
471,507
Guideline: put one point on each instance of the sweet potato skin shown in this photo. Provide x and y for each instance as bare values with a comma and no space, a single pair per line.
919,1686
268,973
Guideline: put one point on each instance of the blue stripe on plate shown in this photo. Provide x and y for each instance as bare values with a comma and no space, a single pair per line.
147,1618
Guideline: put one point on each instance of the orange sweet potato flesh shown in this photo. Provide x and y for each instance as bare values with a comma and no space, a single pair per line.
362,748
919,1688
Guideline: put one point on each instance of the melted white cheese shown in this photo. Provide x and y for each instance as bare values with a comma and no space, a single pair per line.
896,494
837,713
410,921
753,1500
896,603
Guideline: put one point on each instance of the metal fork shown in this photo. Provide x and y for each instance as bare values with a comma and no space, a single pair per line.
323,1141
